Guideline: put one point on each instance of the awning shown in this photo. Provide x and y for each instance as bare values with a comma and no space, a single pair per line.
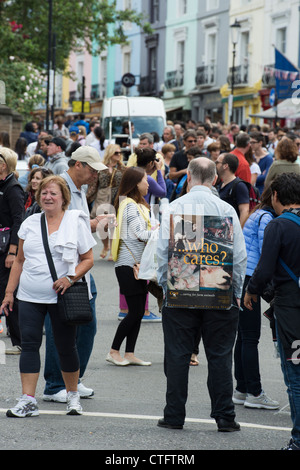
287,109
177,103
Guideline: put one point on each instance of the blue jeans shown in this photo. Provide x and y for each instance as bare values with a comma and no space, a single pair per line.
85,342
291,375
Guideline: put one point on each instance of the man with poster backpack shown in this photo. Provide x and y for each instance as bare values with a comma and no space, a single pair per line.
218,327
280,263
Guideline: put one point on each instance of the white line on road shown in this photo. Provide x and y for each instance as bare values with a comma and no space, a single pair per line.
156,418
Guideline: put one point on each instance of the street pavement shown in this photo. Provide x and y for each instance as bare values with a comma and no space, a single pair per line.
121,418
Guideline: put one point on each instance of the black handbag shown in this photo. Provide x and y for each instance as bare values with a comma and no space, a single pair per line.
74,305
4,239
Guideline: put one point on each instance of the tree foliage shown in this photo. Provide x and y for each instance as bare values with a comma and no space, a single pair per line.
93,23
24,27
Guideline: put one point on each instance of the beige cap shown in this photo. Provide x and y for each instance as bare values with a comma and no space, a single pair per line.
89,155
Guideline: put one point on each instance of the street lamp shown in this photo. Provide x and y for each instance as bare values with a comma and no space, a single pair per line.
235,34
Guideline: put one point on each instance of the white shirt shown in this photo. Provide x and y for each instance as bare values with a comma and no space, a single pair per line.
36,283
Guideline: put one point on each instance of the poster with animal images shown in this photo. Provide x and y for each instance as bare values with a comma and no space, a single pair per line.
200,262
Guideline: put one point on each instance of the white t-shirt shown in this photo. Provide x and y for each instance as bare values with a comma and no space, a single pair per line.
255,169
36,283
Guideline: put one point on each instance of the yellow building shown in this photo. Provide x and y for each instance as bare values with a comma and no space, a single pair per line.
242,99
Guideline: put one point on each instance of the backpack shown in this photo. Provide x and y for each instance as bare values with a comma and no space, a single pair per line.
294,216
254,194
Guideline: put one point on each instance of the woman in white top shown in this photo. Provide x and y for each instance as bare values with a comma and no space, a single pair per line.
131,235
71,250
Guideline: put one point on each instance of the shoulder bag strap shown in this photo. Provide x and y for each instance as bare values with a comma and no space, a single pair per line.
47,249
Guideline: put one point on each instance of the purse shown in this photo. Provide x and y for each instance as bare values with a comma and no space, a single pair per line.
4,239
136,266
103,197
74,305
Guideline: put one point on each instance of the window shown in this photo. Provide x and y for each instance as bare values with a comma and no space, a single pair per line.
212,5
182,7
281,40
244,50
154,11
180,61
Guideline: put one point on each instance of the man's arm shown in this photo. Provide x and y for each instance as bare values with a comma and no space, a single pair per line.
244,213
174,174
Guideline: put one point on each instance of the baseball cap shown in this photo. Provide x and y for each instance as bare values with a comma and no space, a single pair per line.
89,155
74,130
59,142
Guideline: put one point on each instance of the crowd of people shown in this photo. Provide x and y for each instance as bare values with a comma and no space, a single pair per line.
77,178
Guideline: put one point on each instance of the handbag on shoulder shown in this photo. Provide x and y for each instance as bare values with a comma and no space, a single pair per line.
74,305
4,239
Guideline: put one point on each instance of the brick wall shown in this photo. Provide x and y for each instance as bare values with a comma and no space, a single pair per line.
10,122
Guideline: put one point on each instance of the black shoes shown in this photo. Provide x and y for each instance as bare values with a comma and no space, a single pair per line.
223,425
162,424
227,426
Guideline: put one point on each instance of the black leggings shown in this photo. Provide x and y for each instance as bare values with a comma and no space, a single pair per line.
31,320
129,327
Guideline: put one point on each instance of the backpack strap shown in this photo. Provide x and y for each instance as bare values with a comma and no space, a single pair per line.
294,217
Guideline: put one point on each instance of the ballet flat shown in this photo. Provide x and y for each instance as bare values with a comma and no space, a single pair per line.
123,363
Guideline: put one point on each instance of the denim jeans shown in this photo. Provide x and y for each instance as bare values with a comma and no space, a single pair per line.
246,359
287,308
85,342
291,375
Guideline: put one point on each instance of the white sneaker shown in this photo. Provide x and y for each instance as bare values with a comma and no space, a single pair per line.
73,404
85,392
13,351
238,397
26,407
262,401
59,397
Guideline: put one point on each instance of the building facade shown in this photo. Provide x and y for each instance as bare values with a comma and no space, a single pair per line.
211,59
188,59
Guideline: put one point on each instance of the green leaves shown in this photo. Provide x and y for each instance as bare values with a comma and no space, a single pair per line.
24,27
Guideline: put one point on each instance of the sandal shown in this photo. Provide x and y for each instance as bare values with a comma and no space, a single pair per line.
193,362
103,253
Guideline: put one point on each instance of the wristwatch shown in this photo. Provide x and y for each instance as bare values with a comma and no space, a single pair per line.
70,280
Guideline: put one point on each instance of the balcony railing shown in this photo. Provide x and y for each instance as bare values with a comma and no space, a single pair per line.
175,79
98,92
240,75
268,77
206,75
148,85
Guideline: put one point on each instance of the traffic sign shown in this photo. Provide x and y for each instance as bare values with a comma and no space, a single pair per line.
128,80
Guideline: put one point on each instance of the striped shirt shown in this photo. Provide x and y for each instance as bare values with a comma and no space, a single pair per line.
133,238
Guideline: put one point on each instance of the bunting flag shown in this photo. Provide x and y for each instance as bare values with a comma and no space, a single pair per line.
285,73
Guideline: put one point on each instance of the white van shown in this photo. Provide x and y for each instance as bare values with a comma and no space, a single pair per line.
147,114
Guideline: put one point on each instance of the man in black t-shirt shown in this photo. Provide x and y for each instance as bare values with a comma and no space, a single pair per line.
179,162
279,263
232,190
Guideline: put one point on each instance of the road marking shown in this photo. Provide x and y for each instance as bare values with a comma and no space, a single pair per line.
156,418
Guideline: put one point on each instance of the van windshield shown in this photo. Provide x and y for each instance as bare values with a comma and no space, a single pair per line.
141,124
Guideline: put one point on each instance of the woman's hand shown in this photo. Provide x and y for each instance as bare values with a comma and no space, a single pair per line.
61,285
9,261
7,304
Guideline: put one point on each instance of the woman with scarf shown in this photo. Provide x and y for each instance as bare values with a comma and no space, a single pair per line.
131,235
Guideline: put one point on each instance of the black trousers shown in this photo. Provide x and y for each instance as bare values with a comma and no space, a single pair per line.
135,294
12,321
218,332
32,317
